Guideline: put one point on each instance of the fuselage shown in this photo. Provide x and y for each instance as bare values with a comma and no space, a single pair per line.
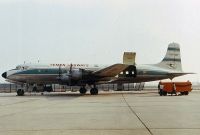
54,73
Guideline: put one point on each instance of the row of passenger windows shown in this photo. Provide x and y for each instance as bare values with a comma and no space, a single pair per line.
127,72
39,70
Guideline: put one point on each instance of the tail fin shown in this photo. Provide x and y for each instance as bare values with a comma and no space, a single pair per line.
172,59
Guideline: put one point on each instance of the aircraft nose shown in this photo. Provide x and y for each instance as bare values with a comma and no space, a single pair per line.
4,75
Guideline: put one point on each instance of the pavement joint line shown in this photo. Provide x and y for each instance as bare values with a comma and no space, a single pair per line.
136,115
73,130
174,128
97,129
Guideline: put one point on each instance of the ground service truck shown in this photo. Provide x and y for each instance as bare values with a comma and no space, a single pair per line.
181,88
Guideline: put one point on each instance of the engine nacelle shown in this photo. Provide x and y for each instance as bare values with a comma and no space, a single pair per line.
76,74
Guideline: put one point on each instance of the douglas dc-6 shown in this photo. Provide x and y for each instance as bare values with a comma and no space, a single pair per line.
85,74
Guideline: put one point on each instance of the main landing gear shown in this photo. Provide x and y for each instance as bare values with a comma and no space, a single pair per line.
20,92
83,90
93,91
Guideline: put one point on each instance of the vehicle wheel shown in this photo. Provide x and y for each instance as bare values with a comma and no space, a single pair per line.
182,93
83,90
164,93
186,92
160,92
20,92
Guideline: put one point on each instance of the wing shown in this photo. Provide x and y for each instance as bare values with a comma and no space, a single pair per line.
111,71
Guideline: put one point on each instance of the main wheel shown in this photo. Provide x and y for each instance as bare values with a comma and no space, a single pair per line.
94,91
20,92
83,90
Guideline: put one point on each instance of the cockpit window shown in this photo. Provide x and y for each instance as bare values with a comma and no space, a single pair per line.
22,67
18,67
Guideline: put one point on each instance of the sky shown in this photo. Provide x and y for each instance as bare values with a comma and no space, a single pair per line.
98,31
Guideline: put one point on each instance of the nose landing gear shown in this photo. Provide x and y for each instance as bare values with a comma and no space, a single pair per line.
20,92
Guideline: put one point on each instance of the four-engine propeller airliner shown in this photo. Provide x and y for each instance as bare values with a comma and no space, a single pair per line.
85,74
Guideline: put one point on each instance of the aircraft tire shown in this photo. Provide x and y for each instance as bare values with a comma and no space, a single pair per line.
94,91
20,92
83,90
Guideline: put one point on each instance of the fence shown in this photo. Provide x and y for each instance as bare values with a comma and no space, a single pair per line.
8,88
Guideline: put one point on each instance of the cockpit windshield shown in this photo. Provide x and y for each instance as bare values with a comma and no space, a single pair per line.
21,67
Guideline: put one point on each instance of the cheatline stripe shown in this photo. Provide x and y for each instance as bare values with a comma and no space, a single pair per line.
173,49
171,59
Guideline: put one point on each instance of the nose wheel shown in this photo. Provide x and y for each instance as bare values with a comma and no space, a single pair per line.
20,92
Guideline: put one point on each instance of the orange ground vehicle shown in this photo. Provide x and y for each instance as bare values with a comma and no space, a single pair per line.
183,88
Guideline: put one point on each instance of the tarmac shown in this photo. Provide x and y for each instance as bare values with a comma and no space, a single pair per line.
109,113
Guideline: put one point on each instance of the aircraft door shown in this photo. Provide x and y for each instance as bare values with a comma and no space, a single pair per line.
131,71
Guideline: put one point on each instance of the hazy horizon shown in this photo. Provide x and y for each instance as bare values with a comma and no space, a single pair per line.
98,31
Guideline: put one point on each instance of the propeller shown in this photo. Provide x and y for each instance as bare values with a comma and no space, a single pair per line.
70,74
59,73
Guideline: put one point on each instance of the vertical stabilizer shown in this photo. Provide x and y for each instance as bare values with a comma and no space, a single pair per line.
172,59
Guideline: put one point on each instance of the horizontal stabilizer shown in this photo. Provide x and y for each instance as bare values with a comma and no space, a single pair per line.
178,74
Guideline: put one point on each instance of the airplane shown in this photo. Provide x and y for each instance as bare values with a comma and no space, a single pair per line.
91,75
